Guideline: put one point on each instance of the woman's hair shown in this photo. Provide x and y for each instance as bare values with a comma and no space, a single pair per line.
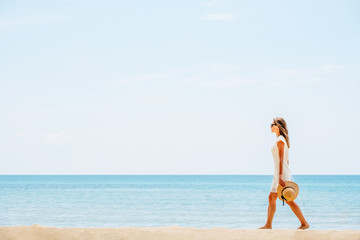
280,122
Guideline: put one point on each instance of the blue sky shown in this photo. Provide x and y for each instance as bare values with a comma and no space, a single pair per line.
178,87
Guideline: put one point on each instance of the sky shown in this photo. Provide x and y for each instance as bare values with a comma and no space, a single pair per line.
178,87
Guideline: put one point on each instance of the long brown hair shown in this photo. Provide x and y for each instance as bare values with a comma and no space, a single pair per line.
280,122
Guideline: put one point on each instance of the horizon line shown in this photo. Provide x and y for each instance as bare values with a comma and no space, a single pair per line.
173,174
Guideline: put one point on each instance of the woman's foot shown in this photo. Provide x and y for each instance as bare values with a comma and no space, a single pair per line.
265,227
304,226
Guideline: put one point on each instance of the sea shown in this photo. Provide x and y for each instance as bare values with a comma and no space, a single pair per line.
330,202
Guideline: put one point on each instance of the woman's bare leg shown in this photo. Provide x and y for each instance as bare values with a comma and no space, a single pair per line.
295,208
271,211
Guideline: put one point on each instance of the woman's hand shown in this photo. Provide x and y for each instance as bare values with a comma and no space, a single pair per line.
281,181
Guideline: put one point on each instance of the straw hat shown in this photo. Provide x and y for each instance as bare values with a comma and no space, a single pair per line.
289,192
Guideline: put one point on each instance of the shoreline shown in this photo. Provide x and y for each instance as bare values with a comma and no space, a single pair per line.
38,232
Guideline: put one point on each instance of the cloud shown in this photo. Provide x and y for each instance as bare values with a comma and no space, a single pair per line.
21,134
211,3
58,138
30,20
288,74
209,75
222,75
145,78
218,17
228,82
327,69
230,75
301,76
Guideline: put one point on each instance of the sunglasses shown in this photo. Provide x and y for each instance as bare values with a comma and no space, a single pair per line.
273,124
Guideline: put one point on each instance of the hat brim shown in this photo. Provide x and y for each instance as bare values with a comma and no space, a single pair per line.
288,184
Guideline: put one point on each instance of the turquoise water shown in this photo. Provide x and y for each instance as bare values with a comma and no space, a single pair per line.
204,201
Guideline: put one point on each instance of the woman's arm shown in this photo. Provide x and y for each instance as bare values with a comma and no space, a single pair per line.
280,145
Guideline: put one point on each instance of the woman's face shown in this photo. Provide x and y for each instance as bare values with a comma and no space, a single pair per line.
273,127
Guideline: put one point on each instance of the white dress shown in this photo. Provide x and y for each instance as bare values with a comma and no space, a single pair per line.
286,175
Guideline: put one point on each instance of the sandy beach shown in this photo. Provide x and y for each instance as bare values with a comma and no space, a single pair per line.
37,232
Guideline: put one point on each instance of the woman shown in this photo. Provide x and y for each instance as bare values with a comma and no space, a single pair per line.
280,152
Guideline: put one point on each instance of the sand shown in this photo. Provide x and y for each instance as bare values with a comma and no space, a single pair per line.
37,232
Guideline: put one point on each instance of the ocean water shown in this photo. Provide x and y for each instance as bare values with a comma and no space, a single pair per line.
202,201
